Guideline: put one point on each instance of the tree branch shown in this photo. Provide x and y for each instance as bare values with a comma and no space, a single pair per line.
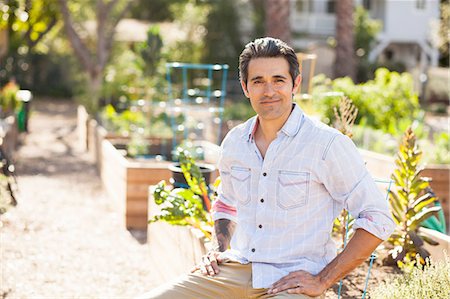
79,47
32,43
112,28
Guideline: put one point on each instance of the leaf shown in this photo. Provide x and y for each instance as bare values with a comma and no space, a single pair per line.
423,201
428,240
415,221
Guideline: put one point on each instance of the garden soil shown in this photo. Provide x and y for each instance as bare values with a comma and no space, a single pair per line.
66,238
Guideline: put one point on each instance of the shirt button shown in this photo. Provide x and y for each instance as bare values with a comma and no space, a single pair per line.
260,226
262,200
253,249
264,173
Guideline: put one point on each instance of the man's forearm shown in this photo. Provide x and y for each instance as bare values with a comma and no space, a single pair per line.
223,231
360,247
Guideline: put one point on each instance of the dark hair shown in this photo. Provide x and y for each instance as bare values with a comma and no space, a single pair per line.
267,47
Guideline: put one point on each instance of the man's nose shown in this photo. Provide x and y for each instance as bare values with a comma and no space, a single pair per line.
268,89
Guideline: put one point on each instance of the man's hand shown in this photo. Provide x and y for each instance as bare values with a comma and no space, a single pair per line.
299,282
209,264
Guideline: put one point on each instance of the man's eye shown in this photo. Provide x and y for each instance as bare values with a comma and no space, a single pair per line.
279,81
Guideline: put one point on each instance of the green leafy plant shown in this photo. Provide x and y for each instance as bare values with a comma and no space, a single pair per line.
410,202
127,121
8,98
387,103
186,207
138,145
429,281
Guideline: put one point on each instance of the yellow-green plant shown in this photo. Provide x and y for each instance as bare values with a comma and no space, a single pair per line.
410,201
186,207
429,281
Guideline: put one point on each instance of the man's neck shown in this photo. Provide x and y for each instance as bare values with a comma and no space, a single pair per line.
268,128
267,131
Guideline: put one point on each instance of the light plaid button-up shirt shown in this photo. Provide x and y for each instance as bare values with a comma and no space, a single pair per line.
286,202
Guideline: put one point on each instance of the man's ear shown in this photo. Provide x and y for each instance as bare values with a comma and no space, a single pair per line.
297,83
244,88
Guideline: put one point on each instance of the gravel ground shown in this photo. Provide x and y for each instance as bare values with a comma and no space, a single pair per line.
66,238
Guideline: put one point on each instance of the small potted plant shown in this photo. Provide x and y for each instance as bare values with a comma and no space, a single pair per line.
184,154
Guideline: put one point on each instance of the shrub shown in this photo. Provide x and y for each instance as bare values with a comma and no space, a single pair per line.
388,102
429,281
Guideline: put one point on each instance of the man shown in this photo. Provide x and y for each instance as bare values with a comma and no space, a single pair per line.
285,178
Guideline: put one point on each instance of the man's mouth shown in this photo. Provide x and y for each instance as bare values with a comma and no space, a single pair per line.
268,102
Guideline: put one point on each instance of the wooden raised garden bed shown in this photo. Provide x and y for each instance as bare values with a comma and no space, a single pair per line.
128,181
178,248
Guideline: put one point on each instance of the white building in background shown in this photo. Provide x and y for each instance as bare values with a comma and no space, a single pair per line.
406,28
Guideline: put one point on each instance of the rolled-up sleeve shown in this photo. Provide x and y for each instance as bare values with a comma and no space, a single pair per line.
349,183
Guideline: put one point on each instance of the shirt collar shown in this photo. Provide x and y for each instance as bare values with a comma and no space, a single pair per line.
290,127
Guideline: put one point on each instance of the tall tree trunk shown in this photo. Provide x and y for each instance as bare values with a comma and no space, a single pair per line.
94,60
277,19
345,54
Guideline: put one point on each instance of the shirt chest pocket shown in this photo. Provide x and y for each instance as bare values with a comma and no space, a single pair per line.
240,180
292,189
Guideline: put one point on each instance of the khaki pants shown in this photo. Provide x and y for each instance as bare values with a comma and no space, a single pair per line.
234,281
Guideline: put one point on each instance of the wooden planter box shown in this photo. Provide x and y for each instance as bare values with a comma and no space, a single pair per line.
177,248
128,181
382,166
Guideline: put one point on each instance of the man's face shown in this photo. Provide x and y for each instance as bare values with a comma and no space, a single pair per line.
269,87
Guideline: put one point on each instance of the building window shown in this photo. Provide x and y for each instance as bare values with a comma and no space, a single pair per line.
420,4
366,4
331,6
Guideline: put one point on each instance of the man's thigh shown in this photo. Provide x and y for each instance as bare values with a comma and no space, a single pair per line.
232,282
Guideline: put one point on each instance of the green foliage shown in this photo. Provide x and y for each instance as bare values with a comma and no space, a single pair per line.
28,24
190,18
136,72
437,149
442,143
151,50
429,281
410,202
241,110
366,31
131,120
223,39
125,79
9,102
388,102
138,145
155,10
185,206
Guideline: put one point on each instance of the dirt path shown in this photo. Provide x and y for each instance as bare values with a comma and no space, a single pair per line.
66,238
